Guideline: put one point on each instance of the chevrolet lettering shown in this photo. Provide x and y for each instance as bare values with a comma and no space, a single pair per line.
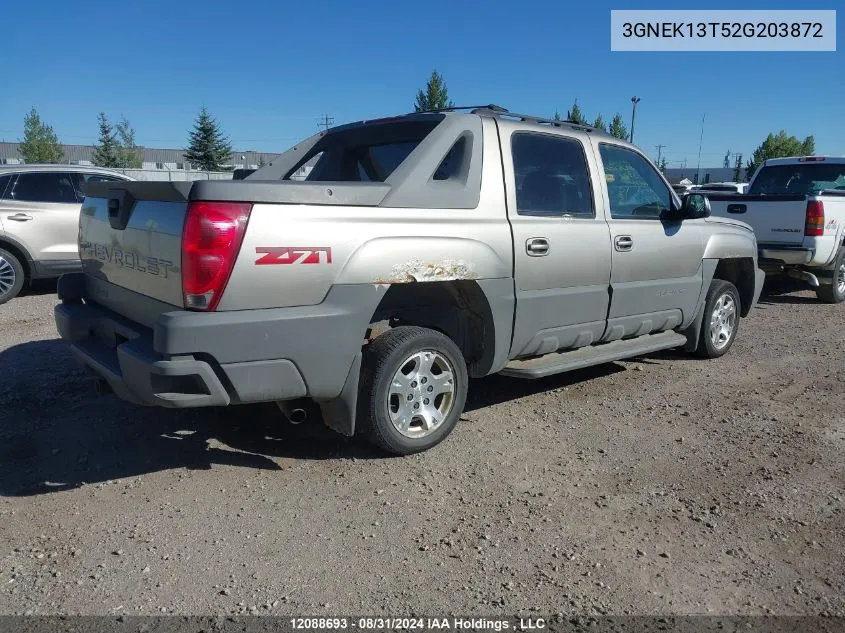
127,259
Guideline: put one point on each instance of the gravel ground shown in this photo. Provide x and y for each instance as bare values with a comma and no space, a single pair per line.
660,485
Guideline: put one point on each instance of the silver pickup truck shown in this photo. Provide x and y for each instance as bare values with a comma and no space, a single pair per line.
421,250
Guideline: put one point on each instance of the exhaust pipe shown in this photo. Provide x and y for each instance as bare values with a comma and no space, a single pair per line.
295,414
803,275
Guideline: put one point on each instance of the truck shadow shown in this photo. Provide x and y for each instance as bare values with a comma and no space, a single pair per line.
56,434
782,290
41,287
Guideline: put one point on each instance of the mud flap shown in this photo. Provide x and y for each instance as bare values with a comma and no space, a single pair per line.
693,331
339,413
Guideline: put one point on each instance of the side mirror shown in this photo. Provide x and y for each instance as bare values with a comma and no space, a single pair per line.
696,205
693,207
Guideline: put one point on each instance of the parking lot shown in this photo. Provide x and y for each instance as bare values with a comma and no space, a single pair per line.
660,485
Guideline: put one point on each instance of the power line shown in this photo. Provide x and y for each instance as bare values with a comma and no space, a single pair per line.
326,122
659,152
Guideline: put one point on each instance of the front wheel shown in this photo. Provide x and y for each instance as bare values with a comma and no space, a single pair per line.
11,276
412,391
834,292
721,320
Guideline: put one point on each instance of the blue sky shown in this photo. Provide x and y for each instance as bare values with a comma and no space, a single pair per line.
269,70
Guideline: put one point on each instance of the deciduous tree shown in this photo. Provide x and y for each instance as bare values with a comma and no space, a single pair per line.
779,146
40,143
130,154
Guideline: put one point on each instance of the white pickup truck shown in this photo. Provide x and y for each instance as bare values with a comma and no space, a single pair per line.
796,207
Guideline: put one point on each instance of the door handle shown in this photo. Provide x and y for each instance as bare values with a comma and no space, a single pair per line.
537,246
623,243
736,208
20,217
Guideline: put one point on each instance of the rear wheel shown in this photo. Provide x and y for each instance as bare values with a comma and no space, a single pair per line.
11,276
412,390
835,291
721,320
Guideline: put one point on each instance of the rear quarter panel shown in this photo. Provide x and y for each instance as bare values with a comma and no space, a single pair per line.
292,254
827,245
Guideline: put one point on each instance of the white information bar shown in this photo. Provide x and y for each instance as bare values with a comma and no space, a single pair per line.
723,30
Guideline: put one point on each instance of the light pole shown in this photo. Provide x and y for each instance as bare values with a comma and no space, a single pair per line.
700,139
635,101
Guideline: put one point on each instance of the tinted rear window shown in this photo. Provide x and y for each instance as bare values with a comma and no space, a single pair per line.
366,153
45,187
4,182
800,179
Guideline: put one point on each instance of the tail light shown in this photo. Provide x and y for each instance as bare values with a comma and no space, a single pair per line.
211,240
814,225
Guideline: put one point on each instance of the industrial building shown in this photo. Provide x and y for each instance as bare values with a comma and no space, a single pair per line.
152,158
173,160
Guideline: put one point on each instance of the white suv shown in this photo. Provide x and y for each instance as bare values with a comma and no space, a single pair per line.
39,221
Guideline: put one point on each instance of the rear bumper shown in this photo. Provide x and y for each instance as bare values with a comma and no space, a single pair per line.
123,354
195,359
785,255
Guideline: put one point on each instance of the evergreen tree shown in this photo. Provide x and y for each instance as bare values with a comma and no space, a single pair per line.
40,143
618,129
435,96
662,165
557,116
208,149
575,114
738,168
107,152
599,124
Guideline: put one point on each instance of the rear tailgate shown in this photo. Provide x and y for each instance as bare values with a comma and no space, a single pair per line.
776,219
130,236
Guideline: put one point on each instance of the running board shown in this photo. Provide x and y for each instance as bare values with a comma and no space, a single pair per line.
592,355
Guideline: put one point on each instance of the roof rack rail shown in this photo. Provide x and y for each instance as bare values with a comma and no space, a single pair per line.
490,106
504,113
530,118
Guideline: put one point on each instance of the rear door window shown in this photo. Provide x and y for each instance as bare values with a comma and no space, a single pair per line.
551,176
45,187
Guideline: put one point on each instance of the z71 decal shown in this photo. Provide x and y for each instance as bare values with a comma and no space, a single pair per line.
294,255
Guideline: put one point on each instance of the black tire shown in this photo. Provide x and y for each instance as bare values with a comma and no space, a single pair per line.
718,291
835,291
383,359
12,276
